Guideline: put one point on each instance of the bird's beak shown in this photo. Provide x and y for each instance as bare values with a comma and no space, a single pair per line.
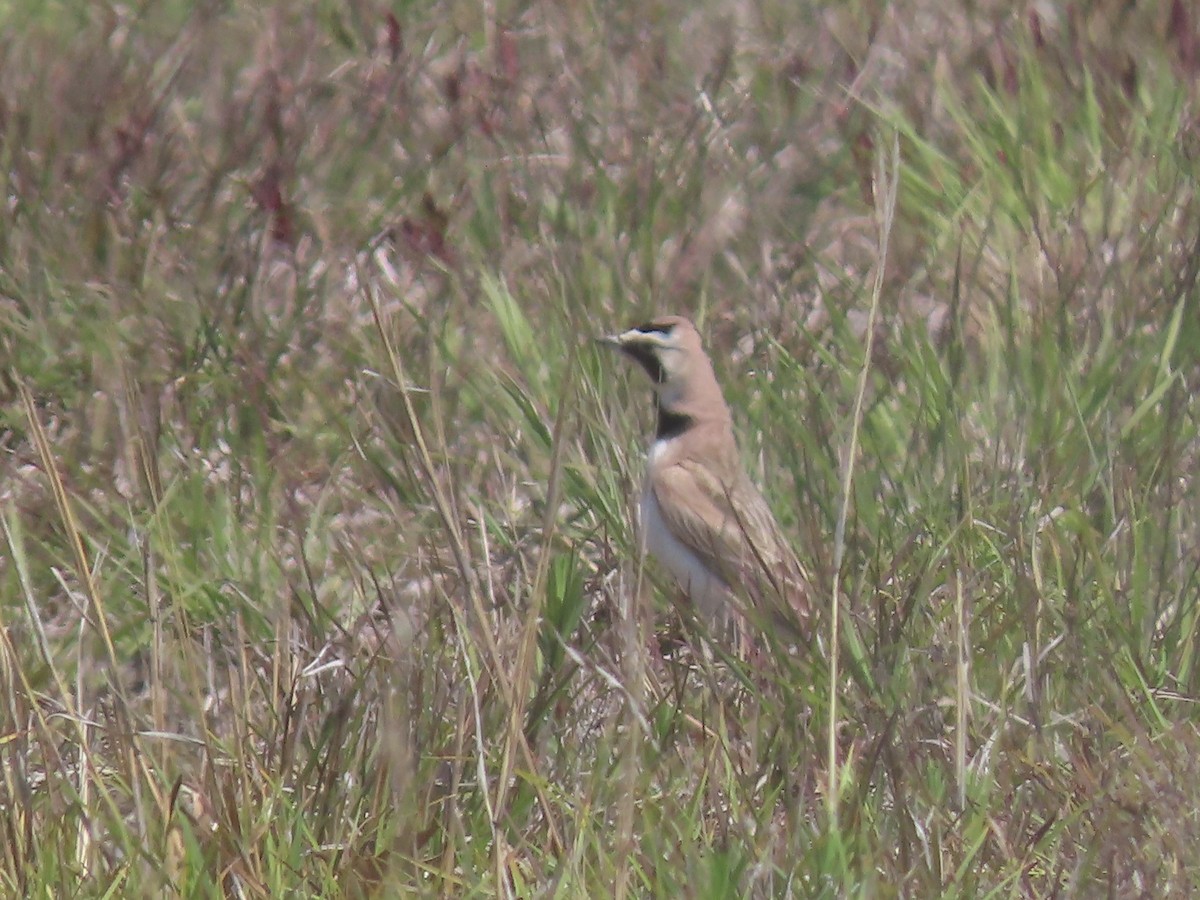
610,340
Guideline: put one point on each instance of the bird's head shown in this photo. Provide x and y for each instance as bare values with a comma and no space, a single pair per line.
669,349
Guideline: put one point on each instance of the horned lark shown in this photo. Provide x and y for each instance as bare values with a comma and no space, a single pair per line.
701,515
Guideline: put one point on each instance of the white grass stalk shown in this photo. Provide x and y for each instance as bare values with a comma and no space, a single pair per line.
887,179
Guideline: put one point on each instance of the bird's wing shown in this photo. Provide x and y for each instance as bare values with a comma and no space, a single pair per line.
735,535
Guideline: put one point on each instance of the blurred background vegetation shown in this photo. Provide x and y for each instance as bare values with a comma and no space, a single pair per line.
317,574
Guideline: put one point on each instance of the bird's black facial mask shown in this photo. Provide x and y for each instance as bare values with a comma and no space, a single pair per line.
647,355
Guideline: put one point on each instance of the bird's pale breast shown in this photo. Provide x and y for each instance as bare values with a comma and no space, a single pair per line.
708,592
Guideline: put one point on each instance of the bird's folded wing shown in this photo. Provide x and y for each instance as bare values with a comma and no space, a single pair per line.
734,534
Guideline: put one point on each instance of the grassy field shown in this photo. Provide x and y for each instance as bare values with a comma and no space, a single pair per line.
317,570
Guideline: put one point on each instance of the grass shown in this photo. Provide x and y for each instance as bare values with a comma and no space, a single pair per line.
317,573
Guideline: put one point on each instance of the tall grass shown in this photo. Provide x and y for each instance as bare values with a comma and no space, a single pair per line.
317,570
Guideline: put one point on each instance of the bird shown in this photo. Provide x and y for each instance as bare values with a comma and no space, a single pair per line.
701,516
